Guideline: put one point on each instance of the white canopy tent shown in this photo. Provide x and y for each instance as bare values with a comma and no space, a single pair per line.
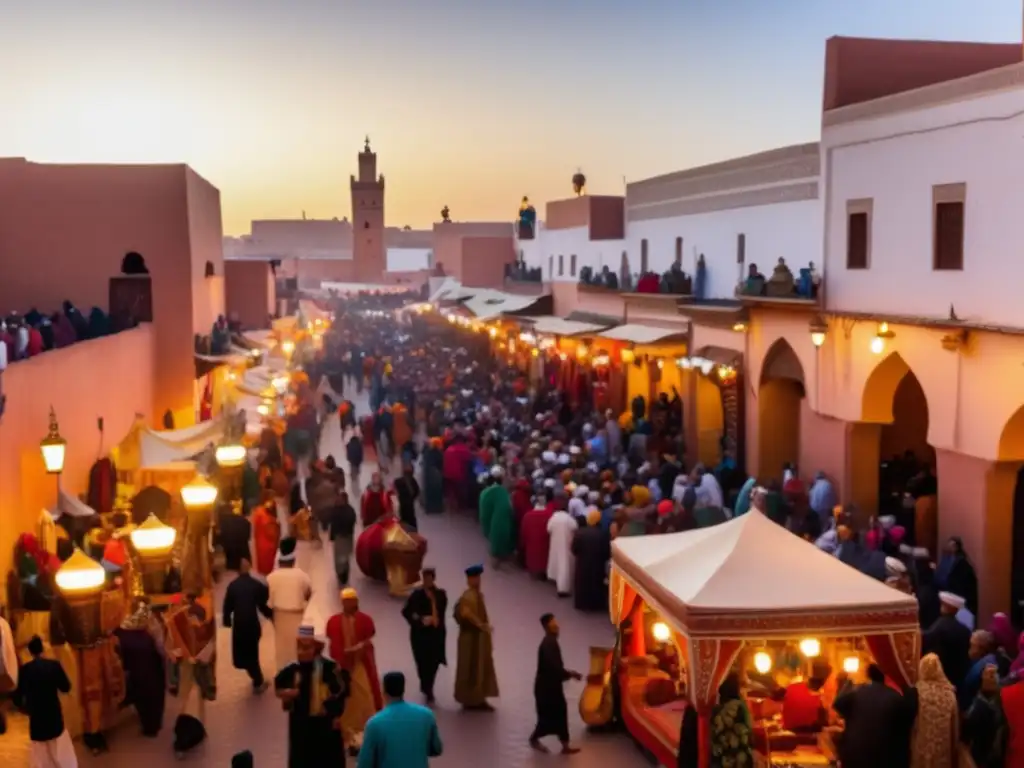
149,449
559,326
636,333
752,567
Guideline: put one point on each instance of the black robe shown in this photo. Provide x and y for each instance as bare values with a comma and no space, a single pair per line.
244,601
548,691
428,643
313,741
407,490
878,725
950,640
234,534
145,675
592,547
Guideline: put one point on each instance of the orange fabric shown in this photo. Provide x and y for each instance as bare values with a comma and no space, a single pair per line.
267,535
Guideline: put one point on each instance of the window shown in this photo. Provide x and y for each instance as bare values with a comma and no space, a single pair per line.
741,248
858,234
679,252
643,256
572,265
551,267
561,265
948,229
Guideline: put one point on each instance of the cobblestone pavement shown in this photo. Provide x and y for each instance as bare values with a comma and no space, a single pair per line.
239,720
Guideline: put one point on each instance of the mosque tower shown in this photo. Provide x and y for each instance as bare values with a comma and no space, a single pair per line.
368,251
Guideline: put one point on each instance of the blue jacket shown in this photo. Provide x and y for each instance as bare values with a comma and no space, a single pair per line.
402,735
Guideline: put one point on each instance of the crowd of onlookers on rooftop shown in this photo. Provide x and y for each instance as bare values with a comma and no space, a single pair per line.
29,334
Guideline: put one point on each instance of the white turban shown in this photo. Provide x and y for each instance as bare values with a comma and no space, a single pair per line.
575,450
593,497
582,490
563,458
549,483
497,472
549,457
538,474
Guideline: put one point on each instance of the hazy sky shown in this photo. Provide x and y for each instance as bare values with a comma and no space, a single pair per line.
470,103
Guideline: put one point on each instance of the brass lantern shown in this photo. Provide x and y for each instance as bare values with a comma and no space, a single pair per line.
81,581
154,542
53,447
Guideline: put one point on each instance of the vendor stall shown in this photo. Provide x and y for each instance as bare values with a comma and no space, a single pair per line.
745,596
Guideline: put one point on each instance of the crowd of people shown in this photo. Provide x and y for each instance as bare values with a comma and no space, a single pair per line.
26,335
552,482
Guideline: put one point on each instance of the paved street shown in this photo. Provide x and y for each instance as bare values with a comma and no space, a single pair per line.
238,720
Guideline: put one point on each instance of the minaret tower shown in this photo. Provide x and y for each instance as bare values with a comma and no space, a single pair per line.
368,249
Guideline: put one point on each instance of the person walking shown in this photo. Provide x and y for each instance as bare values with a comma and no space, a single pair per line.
40,683
290,591
548,690
341,525
424,610
402,735
244,601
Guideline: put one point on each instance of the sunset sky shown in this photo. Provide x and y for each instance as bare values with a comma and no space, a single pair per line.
470,103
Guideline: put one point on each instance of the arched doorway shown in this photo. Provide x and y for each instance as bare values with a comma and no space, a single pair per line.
780,399
1011,457
895,400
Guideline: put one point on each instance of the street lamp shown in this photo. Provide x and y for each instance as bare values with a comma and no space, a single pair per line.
81,581
199,497
231,459
154,541
53,447
819,329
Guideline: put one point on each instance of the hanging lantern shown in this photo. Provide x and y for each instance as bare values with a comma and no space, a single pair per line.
53,447
81,581
819,329
231,456
199,494
154,541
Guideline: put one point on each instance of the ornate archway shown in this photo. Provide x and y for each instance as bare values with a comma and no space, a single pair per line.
780,399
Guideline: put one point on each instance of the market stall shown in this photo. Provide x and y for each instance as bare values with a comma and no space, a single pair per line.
745,596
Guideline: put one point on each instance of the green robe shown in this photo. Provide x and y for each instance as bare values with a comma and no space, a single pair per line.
485,505
501,526
475,678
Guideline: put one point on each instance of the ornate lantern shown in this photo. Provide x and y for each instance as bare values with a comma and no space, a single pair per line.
53,447
154,541
81,581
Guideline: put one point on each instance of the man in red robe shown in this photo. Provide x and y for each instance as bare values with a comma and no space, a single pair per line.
351,635
534,540
266,535
376,501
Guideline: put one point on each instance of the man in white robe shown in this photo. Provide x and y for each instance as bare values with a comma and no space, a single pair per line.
561,528
290,590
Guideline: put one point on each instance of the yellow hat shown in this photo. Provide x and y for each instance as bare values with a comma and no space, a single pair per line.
349,594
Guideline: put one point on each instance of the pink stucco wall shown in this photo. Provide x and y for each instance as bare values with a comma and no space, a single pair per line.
449,247
483,260
249,291
110,378
64,230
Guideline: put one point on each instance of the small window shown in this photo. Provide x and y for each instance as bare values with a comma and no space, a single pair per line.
741,248
858,234
366,225
643,256
948,236
679,252
561,265
551,267
572,265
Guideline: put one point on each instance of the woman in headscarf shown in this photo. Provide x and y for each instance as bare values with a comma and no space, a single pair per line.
1006,641
934,740
534,541
639,510
731,727
956,574
985,722
591,547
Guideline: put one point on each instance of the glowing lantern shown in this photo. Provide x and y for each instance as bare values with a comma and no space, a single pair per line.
230,456
198,494
661,632
851,665
53,447
80,577
153,538
810,647
819,329
763,662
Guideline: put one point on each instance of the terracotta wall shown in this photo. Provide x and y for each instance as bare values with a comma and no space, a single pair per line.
311,272
110,378
483,260
604,215
64,230
861,69
249,292
449,247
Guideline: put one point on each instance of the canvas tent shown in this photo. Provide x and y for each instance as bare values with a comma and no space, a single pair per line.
149,449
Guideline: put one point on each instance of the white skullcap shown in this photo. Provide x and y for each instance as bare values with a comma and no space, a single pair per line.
549,483
481,478
536,434
549,457
582,491
592,467
953,601
563,458
540,417
887,521
497,471
538,474
593,497
575,450
894,566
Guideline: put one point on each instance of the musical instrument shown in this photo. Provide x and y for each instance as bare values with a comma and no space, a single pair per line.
597,702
